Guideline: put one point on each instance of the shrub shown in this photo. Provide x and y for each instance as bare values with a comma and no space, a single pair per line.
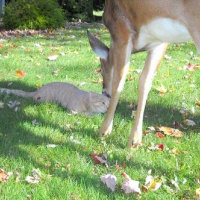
78,9
32,14
98,4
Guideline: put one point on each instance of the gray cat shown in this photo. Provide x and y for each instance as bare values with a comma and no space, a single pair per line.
68,95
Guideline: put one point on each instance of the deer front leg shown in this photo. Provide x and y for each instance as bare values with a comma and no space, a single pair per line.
152,63
120,60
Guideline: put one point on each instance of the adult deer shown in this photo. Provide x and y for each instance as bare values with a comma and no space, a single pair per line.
135,26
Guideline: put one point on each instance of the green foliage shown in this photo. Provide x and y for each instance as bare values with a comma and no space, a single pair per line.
31,14
79,9
98,4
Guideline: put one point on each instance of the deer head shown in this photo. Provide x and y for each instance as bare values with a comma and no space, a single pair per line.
106,68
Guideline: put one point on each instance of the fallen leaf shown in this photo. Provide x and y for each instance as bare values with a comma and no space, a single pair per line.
133,115
174,151
17,180
4,176
162,90
97,71
51,145
32,180
159,135
34,122
189,122
197,102
110,181
35,178
100,158
99,80
176,124
1,104
160,146
156,147
167,57
20,74
118,167
72,36
74,141
198,193
170,131
129,185
53,57
151,184
12,104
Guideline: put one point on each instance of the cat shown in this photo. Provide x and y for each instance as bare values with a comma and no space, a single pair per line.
68,95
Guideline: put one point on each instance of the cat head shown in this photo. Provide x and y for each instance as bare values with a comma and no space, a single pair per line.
98,103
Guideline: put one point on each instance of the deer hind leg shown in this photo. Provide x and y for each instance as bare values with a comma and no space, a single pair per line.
120,59
153,60
196,38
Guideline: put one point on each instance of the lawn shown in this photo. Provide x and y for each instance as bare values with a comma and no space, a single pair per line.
54,146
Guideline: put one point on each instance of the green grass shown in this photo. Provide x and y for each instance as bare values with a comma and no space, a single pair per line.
68,171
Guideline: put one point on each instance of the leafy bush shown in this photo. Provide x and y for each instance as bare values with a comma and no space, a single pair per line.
31,14
78,9
98,4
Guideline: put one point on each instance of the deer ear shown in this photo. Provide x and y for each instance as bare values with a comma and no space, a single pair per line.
97,46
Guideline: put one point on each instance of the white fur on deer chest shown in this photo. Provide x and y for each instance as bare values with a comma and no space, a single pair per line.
162,30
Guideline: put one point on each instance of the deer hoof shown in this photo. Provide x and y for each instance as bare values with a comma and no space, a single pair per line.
134,145
103,132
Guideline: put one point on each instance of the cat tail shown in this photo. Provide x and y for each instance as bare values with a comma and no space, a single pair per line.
19,93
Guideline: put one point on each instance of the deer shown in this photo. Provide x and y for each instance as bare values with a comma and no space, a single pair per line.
136,26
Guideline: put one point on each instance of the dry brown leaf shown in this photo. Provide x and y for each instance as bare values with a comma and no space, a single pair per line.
20,74
162,90
99,80
174,151
170,131
4,176
198,193
197,102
